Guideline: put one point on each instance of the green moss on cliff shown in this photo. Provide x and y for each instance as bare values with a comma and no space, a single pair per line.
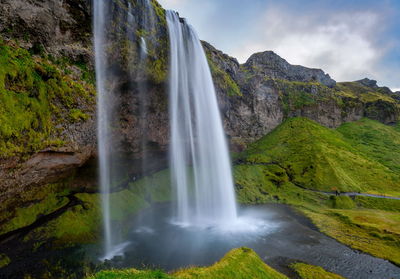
223,80
296,95
82,223
34,97
25,209
27,215
377,104
76,115
361,92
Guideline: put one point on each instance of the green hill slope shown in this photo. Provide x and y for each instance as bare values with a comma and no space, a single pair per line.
377,141
316,157
301,156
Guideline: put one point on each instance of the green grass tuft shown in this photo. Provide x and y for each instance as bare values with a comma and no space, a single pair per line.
306,271
241,263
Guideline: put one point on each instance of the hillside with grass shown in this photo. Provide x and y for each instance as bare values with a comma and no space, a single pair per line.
357,157
303,164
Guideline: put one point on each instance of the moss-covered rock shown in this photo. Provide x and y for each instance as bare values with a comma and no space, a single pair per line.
35,97
82,223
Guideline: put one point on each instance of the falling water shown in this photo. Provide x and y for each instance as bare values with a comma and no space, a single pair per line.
147,24
205,193
103,118
107,18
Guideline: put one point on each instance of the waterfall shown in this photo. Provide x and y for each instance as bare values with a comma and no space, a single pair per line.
108,17
103,119
200,164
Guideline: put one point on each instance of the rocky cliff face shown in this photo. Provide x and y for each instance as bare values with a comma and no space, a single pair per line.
270,90
48,137
62,28
269,64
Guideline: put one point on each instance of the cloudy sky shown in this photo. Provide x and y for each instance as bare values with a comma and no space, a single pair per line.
349,39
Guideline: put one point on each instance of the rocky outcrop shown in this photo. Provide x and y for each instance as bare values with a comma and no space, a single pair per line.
269,64
62,28
373,84
396,95
271,90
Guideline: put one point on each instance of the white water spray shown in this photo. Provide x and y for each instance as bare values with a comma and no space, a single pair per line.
104,16
103,119
205,196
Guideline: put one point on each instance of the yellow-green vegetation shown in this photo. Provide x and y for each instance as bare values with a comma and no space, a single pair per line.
81,223
365,94
131,274
25,216
32,204
368,234
306,271
241,263
77,115
4,260
237,264
224,80
35,95
378,141
320,158
296,95
378,104
301,158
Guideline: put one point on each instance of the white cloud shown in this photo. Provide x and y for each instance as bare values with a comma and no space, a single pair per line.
342,44
347,44
172,4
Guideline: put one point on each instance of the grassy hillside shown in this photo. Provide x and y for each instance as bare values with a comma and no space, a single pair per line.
300,156
316,157
377,141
